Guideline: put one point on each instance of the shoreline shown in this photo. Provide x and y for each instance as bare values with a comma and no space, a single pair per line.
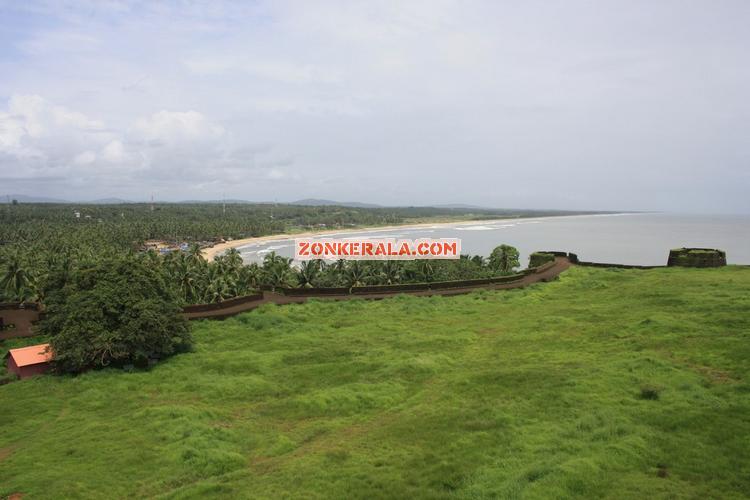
211,252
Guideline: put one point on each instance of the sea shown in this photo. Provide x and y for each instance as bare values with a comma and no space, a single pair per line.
628,238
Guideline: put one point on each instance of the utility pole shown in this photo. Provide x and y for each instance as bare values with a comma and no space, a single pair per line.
152,202
223,204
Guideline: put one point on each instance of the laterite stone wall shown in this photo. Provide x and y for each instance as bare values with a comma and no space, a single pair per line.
697,257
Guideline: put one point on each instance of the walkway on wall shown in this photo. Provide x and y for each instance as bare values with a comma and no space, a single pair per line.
544,274
24,317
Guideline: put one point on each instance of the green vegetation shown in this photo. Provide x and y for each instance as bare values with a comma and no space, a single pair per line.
605,383
537,259
697,257
40,240
35,272
117,312
277,271
504,259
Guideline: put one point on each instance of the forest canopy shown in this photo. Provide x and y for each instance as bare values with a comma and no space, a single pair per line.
39,243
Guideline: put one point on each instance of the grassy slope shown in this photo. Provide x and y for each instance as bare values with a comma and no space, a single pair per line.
532,393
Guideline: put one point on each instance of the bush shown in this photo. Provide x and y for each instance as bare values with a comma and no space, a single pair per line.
117,311
504,259
650,392
537,259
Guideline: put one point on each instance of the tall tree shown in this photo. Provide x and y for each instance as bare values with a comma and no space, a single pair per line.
504,259
308,273
17,280
117,311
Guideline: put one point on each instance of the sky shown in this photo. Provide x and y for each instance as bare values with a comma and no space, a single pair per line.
570,104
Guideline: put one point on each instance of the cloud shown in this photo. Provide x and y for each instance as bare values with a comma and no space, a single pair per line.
172,127
280,71
427,101
113,152
85,158
45,136
58,41
172,146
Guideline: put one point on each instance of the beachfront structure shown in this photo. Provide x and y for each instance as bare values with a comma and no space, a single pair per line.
697,257
29,361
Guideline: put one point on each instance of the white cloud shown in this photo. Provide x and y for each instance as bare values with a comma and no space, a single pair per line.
359,93
182,146
114,152
56,42
34,128
85,158
174,127
275,173
281,71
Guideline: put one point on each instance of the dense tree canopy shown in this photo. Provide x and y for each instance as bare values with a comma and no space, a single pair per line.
504,259
109,302
41,245
115,312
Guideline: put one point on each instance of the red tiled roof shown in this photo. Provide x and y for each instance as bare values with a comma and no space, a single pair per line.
32,355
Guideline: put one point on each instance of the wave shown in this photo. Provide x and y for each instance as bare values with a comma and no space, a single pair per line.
474,228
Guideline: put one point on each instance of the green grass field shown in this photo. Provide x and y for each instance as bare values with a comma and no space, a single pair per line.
604,383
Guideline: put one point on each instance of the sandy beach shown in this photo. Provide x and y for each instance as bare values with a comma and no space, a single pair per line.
210,253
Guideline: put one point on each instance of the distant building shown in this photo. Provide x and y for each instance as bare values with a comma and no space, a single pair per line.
29,361
154,244
164,247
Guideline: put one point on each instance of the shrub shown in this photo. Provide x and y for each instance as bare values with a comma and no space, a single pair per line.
504,259
650,392
117,311
537,259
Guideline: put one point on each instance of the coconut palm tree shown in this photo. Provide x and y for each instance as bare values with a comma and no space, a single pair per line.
250,277
17,280
187,279
277,270
426,270
194,254
218,286
504,259
356,274
390,272
308,273
233,258
478,260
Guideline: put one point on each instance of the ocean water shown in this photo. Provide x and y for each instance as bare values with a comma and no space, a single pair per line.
642,239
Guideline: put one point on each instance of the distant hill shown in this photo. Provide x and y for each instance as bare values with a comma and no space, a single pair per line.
310,202
315,202
459,208
108,201
462,206
22,198
216,202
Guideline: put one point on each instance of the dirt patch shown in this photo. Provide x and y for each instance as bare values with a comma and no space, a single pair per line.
714,374
6,452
